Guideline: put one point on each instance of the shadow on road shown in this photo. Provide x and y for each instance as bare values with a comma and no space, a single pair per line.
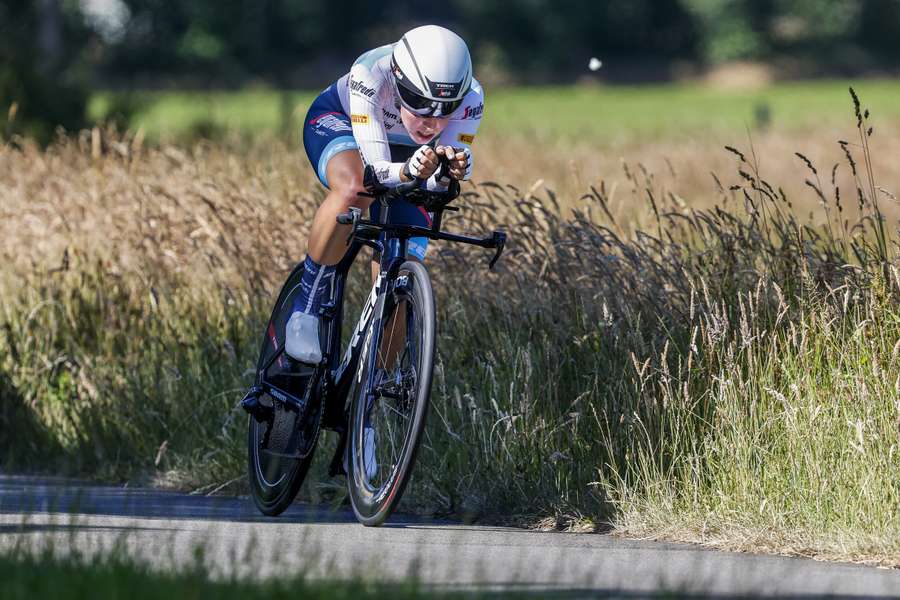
25,495
71,528
616,568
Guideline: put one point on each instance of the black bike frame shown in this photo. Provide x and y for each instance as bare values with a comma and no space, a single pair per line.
392,250
335,373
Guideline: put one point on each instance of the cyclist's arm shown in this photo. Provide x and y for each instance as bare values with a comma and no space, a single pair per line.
460,131
365,91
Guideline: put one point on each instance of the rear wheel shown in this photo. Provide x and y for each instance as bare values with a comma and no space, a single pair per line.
390,395
281,437
281,442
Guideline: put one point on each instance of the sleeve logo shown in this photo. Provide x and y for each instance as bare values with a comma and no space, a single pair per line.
466,138
474,112
358,87
361,119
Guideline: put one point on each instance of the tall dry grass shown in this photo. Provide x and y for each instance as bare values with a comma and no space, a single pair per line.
721,367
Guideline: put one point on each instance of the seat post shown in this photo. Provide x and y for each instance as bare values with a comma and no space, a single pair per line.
436,219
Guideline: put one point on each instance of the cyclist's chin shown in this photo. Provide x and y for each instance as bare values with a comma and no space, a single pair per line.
422,139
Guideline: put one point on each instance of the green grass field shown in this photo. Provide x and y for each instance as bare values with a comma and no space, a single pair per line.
583,113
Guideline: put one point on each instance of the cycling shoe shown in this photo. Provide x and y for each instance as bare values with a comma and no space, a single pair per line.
301,338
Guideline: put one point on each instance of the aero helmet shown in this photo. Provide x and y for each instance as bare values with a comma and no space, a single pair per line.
432,70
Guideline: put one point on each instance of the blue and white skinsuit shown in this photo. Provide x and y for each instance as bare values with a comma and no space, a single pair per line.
361,110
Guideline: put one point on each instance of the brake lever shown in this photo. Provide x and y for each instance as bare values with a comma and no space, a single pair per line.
351,218
499,241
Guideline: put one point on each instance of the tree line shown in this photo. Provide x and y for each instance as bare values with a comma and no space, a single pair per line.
51,50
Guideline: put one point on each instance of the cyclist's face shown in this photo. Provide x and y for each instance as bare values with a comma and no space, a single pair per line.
422,129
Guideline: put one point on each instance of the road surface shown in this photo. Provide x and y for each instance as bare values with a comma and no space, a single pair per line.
165,528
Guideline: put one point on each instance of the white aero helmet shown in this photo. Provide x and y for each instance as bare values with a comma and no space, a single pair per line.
432,69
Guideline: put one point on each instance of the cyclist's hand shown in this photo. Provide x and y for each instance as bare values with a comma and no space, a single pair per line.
422,164
460,161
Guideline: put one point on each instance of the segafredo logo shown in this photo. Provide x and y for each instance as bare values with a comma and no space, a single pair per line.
473,112
359,88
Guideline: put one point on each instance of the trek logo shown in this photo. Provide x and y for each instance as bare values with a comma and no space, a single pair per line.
361,119
389,114
359,88
473,112
444,90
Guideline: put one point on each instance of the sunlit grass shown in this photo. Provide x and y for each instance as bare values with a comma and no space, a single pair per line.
717,363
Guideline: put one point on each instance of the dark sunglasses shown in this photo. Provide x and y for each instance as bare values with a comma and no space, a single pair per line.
425,107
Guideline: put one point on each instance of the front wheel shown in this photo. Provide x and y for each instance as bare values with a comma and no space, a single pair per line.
390,394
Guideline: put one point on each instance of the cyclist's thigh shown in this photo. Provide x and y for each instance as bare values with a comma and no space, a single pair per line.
344,170
327,133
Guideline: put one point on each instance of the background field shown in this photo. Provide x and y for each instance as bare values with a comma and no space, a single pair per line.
589,113
572,137
663,350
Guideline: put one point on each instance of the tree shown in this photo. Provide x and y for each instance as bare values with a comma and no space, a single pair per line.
40,43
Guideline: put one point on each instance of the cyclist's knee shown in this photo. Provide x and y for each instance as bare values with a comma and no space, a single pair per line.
348,196
345,190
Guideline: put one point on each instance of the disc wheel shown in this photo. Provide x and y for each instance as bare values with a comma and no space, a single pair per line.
390,395
281,445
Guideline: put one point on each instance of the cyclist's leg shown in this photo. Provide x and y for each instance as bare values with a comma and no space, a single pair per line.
326,245
333,152
327,238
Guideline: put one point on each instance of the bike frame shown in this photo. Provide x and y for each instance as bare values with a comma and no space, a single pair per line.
334,375
392,251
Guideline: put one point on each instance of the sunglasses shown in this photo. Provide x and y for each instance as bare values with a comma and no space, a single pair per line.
425,107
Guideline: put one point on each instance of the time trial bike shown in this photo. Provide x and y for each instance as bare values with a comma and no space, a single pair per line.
374,394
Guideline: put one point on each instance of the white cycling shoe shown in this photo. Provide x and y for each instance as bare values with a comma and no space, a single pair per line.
301,338
369,453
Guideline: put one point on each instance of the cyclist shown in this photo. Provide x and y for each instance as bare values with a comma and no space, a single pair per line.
400,108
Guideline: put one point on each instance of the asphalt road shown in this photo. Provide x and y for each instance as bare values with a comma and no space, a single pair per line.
166,528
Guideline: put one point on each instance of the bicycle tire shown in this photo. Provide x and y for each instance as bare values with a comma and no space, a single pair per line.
373,504
275,479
